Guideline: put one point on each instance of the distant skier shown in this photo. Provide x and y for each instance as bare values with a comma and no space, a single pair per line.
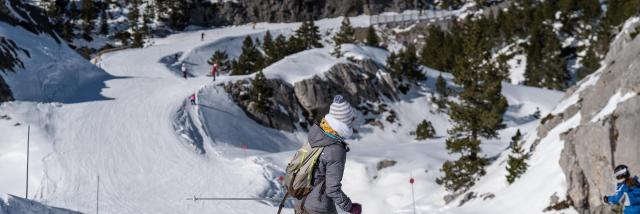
326,191
202,36
214,70
184,70
192,98
627,191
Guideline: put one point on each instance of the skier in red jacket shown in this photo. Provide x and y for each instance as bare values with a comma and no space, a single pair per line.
214,71
192,98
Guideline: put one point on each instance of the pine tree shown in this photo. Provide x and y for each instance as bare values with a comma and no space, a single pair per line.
134,18
372,37
280,47
173,12
54,10
516,164
147,18
346,33
123,36
88,15
433,52
477,114
411,65
270,49
250,60
222,59
441,86
218,57
260,92
443,92
337,51
67,31
104,24
590,63
545,64
425,130
138,39
309,35
294,45
73,11
393,65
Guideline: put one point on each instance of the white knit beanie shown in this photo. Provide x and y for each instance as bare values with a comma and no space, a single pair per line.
340,116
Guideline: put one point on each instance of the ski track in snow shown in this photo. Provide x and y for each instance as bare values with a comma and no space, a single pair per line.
141,164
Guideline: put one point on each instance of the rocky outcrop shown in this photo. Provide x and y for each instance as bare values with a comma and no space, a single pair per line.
244,11
308,100
281,114
608,134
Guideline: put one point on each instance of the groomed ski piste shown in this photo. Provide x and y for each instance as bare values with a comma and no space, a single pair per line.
138,139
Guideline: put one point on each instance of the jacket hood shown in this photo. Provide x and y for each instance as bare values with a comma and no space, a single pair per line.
317,138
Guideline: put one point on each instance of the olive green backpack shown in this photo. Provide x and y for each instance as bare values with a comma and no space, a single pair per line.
299,173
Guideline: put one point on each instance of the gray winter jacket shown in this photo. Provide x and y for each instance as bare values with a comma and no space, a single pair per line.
328,172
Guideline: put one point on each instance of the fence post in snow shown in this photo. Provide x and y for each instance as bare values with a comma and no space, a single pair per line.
413,197
26,194
97,194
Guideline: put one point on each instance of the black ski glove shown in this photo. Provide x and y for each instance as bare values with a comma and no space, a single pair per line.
605,199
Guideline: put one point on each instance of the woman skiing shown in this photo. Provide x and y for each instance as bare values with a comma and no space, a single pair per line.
627,191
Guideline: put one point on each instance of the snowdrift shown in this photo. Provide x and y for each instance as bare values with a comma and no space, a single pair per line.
10,204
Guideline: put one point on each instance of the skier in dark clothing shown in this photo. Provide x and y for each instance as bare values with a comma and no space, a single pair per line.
327,191
202,36
627,191
184,70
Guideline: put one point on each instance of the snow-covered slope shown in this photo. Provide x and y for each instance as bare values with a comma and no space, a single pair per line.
52,71
130,141
10,204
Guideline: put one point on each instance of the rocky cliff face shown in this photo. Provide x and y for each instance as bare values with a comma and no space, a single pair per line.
307,101
244,11
609,105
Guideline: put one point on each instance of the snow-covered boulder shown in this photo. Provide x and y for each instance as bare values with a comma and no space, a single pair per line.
607,135
10,204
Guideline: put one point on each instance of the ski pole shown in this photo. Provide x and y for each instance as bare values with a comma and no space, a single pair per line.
235,199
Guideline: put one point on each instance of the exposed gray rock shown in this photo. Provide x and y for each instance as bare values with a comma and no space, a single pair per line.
245,11
467,197
593,148
354,83
385,164
281,114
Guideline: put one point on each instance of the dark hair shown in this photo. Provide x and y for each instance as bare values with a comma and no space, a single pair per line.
632,182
